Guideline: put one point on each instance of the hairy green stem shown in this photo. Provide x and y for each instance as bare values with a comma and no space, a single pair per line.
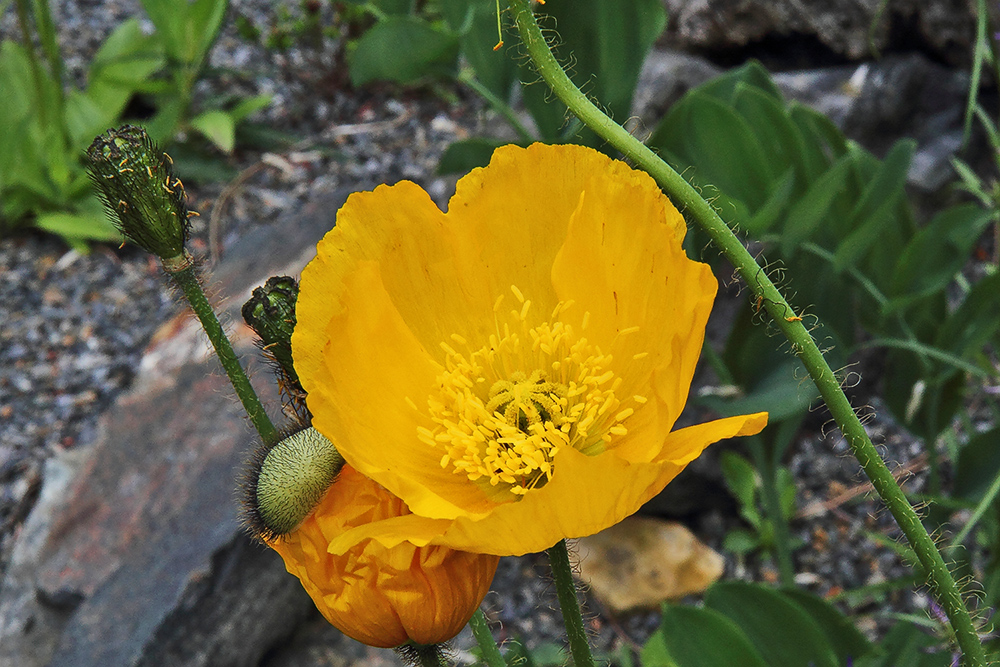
188,282
576,634
939,578
481,631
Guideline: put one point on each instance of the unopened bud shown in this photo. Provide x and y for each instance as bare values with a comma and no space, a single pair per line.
287,481
143,197
270,312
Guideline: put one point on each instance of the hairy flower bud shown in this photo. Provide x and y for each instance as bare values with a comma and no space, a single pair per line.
288,480
270,312
146,201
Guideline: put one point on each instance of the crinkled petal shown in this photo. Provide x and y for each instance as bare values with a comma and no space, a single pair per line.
372,363
586,495
382,596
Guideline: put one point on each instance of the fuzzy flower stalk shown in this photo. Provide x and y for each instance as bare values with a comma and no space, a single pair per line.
147,203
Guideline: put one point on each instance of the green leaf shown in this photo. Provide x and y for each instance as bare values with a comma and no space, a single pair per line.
723,149
975,321
204,19
813,207
463,156
740,541
937,252
606,44
249,106
778,135
122,66
751,75
78,226
781,392
170,18
402,49
691,637
874,211
978,465
781,630
847,641
475,22
218,127
742,480
84,119
774,207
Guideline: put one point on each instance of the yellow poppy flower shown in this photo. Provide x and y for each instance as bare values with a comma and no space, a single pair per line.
513,368
382,596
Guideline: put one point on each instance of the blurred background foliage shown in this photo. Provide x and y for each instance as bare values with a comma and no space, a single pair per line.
907,297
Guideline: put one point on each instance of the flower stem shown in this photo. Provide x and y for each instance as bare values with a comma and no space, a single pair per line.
562,574
488,645
939,578
186,279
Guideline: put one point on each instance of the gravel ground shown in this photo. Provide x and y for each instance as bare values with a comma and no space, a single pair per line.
74,326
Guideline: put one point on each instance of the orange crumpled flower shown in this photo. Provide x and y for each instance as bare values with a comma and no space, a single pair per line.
380,596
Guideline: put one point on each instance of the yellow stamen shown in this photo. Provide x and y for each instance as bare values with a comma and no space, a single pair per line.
502,412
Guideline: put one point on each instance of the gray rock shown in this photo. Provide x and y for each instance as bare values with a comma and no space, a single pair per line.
134,555
848,28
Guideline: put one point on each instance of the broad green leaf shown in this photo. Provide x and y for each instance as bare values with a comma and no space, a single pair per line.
170,18
752,75
122,66
975,321
605,43
475,22
394,6
84,119
248,106
204,19
780,138
78,226
847,641
806,214
775,206
978,465
402,49
727,153
937,252
874,211
781,630
691,637
218,127
740,541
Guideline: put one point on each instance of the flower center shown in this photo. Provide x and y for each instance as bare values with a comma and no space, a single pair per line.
502,411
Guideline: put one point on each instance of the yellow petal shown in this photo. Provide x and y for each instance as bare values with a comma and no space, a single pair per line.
622,262
371,364
685,445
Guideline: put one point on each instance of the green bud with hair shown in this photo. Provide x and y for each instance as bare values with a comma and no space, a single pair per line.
287,480
270,312
144,199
